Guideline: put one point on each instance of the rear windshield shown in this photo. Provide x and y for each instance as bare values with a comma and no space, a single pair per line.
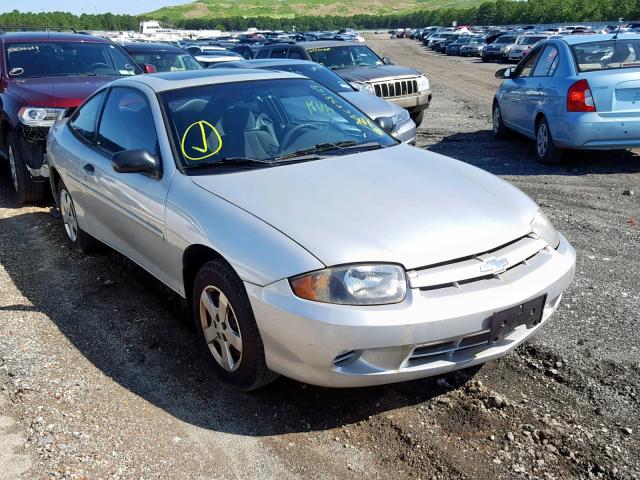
166,61
607,55
320,74
45,59
529,40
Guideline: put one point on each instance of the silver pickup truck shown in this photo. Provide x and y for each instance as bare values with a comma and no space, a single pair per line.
364,69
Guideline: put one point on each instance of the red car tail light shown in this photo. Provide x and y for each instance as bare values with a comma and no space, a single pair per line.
579,97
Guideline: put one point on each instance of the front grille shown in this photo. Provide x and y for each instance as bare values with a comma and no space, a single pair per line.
449,348
396,88
34,134
483,266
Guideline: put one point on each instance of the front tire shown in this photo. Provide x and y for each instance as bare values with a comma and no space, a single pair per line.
78,238
546,151
227,328
26,189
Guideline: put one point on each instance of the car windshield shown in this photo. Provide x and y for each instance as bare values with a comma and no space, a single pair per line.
344,56
320,74
527,40
607,55
476,41
266,122
462,40
166,61
506,39
44,59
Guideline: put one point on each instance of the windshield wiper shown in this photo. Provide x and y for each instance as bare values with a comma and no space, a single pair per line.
327,146
232,161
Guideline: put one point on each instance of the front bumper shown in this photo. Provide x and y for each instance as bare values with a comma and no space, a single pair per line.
413,103
493,56
406,132
343,346
595,131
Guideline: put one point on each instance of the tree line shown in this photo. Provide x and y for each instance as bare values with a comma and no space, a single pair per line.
499,12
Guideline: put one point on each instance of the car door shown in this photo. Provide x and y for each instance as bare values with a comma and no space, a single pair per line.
517,92
551,100
129,208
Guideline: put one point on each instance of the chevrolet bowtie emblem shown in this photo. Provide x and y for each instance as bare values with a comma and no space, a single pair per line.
494,265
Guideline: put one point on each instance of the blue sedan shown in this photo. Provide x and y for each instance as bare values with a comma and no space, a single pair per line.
574,92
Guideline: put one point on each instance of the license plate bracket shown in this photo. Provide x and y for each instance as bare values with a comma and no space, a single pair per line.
528,313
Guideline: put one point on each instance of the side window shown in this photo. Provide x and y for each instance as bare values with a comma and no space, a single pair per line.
264,53
295,54
279,52
525,67
548,62
127,123
84,120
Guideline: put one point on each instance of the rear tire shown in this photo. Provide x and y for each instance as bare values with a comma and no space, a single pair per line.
546,151
227,328
499,130
418,118
78,238
26,189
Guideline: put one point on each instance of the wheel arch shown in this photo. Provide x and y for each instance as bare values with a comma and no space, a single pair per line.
193,258
54,181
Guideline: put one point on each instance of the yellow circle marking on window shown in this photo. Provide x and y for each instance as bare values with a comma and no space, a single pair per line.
202,147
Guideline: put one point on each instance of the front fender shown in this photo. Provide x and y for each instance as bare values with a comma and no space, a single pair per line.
259,253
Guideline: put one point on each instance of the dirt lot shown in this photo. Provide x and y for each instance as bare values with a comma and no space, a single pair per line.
100,378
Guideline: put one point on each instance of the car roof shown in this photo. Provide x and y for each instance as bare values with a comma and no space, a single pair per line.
162,82
150,47
578,39
50,36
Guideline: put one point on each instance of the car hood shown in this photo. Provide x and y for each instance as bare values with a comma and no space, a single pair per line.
365,73
373,106
399,204
57,92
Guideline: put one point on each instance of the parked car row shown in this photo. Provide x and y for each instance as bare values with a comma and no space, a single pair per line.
305,240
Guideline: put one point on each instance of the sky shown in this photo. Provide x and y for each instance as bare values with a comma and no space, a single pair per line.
86,6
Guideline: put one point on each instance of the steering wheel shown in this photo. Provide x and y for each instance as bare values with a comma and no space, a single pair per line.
95,66
287,140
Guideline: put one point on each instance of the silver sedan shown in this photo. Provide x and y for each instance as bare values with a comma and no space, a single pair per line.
305,240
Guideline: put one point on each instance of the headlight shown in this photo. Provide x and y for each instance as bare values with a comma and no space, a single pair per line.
363,87
541,226
423,83
374,284
40,117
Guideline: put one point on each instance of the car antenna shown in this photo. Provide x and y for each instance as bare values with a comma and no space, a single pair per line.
615,35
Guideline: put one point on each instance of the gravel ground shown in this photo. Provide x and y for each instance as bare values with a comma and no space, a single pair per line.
100,377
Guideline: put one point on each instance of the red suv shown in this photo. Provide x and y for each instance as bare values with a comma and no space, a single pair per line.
45,76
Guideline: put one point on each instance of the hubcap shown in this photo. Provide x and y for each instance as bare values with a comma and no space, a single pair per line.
68,212
12,166
543,140
496,120
221,329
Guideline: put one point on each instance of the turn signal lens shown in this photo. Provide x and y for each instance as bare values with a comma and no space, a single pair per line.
375,284
579,97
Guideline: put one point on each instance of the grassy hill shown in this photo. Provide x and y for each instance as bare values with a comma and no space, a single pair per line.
292,8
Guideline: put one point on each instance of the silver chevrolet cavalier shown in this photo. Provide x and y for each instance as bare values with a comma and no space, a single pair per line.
306,241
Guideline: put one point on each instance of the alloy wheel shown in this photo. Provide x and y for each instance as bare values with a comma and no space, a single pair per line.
12,166
542,141
68,212
220,327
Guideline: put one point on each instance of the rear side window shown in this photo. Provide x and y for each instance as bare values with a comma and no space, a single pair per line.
607,55
295,54
127,123
548,62
279,52
83,122
263,53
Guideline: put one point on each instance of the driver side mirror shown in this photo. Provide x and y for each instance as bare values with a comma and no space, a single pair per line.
385,123
387,61
149,68
136,161
505,73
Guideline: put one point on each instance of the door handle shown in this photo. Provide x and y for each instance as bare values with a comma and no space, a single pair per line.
89,168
